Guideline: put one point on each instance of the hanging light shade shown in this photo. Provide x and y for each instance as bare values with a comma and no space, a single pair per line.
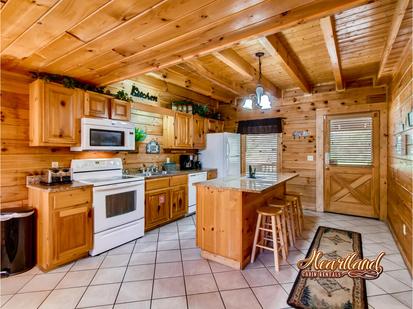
247,103
260,99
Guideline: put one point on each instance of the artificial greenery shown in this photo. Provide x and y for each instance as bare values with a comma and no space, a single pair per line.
67,81
140,135
122,95
201,110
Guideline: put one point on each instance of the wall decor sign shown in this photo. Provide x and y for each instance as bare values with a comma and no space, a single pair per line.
299,134
135,92
153,147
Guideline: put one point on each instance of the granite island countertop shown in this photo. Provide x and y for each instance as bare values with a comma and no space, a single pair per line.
260,184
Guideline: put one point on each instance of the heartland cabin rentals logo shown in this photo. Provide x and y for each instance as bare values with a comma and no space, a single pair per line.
316,267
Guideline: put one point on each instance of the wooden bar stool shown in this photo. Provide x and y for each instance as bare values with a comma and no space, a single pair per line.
273,228
299,210
286,205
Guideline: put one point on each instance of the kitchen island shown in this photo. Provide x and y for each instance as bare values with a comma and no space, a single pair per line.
226,215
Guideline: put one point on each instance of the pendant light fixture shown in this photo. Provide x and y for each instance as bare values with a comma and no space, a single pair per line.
259,99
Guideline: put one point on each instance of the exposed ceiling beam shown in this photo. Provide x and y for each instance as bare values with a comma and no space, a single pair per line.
275,47
232,59
398,16
206,43
235,88
189,82
330,38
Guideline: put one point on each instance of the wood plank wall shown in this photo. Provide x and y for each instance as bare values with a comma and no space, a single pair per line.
400,163
299,111
18,160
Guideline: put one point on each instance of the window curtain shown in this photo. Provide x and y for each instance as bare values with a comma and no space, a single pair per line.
260,126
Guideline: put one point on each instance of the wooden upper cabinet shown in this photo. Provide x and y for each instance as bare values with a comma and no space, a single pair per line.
96,105
55,113
183,130
214,126
120,110
198,132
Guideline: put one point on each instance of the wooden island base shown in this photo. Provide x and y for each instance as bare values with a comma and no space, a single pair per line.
226,220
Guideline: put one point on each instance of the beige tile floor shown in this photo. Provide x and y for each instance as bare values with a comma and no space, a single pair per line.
164,269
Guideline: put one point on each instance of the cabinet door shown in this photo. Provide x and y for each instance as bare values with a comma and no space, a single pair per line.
72,231
179,201
120,110
96,105
183,130
156,207
198,132
212,125
220,126
59,114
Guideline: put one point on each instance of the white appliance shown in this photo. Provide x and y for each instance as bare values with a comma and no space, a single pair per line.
118,202
106,135
223,152
194,178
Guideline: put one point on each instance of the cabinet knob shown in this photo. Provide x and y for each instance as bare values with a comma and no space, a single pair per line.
62,103
159,208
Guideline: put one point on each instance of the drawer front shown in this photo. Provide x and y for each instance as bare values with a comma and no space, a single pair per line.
179,180
71,198
155,184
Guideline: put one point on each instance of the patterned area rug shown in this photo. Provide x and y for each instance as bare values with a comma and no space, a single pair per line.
331,293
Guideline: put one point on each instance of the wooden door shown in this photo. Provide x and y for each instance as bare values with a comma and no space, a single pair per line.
156,207
183,123
96,105
59,115
120,110
351,184
198,133
179,201
72,231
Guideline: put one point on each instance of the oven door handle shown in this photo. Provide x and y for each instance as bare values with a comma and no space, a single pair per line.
119,186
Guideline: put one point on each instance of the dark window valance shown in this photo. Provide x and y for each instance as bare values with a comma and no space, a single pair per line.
260,126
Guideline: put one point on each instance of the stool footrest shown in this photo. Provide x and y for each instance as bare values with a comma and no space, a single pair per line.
264,229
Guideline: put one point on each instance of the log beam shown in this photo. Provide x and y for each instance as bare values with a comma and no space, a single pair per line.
330,38
275,47
398,16
232,59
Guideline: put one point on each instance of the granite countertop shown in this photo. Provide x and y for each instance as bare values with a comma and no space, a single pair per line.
60,187
169,174
243,183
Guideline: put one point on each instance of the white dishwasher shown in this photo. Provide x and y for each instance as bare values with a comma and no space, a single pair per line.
194,178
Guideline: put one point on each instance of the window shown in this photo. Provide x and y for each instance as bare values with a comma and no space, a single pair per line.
261,152
351,141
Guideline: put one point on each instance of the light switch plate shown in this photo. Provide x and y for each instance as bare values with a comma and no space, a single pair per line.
55,164
310,158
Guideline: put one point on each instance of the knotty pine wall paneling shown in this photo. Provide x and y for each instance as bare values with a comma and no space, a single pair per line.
18,160
400,162
299,111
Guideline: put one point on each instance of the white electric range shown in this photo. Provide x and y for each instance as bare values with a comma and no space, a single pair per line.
118,202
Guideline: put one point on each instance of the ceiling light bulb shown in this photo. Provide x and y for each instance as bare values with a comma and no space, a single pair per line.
265,102
247,104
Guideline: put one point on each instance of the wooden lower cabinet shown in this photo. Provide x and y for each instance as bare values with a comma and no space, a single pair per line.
64,225
166,199
156,208
179,201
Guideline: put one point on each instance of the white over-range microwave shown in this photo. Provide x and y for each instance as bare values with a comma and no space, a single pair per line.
106,135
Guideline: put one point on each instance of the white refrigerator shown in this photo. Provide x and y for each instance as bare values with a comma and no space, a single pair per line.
223,152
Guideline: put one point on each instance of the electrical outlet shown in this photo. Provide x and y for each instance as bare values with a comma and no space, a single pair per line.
310,158
55,164
404,229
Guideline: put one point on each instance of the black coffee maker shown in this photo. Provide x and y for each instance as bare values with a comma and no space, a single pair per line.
186,162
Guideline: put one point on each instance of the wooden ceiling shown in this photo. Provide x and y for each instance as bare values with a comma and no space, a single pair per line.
208,46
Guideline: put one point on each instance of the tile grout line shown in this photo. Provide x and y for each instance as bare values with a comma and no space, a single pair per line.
154,268
182,265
